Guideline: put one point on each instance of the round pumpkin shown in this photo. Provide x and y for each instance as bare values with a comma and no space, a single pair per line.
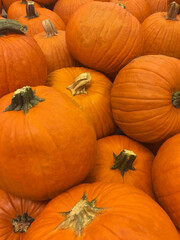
103,211
91,90
162,32
17,215
42,132
34,18
145,98
141,10
104,36
21,59
165,176
53,44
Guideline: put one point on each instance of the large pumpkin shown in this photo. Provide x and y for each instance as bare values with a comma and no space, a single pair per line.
162,32
41,140
91,90
17,215
21,59
103,211
165,175
120,159
145,98
104,36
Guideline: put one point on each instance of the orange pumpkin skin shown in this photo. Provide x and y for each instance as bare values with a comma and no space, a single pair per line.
141,98
97,100
140,177
140,11
65,8
128,213
47,141
55,51
21,63
35,24
100,44
165,176
12,206
160,5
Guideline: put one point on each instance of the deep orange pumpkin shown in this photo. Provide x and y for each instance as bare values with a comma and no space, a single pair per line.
145,98
103,211
43,146
16,215
104,36
165,175
21,60
141,10
91,90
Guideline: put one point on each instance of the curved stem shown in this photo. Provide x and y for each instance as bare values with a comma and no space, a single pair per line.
173,11
30,10
11,26
49,28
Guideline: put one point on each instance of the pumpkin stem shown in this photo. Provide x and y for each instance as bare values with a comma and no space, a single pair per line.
176,99
23,1
49,28
30,10
80,215
124,161
21,223
173,11
23,99
11,26
78,86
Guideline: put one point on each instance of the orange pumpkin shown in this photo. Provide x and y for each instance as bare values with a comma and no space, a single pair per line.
165,176
160,5
16,215
103,211
34,19
145,98
66,8
162,32
104,36
53,44
141,10
43,145
91,90
21,59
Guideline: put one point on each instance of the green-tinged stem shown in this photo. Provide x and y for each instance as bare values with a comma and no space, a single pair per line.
8,26
173,11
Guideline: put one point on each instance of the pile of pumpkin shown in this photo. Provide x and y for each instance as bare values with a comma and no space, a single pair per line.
90,120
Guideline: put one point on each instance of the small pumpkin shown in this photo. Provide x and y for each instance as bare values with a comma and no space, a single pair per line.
17,215
21,59
145,98
103,211
162,32
91,90
42,130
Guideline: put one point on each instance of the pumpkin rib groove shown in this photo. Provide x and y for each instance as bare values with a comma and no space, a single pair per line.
109,230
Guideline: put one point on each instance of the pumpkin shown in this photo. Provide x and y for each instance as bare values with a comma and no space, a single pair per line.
162,32
34,19
103,211
66,8
91,90
122,160
104,36
165,176
17,215
145,98
18,9
53,44
21,59
140,10
42,130
160,5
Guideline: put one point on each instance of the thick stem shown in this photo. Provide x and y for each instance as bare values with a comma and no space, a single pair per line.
173,11
30,10
82,214
124,161
8,26
49,28
79,85
23,99
21,223
176,99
